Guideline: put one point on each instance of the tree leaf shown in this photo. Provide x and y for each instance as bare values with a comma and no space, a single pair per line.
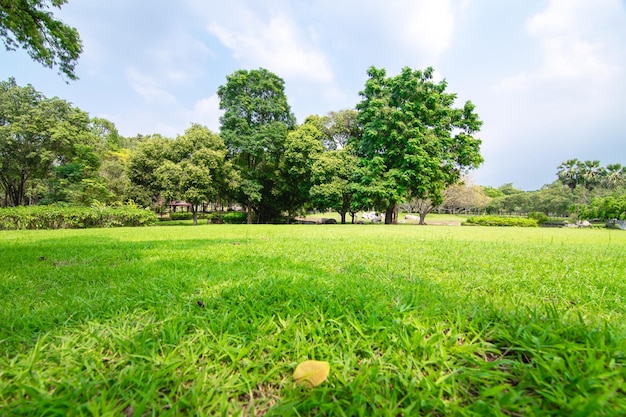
311,373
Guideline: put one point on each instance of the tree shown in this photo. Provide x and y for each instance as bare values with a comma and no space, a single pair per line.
254,126
335,180
145,160
569,173
37,135
196,170
591,174
605,208
302,148
414,140
30,25
463,197
615,176
340,128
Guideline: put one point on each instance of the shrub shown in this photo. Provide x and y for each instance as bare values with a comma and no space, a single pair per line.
63,217
501,221
539,216
230,217
181,216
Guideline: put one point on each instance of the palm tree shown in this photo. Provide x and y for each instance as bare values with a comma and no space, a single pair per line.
591,174
569,173
615,176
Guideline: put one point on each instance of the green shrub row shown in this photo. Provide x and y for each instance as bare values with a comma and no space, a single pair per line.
57,217
501,221
186,215
229,217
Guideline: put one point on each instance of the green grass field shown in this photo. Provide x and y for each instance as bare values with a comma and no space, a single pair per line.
212,320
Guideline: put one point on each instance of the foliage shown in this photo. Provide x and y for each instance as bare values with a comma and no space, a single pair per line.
149,154
68,217
195,169
303,148
28,24
464,197
539,216
40,137
335,181
181,216
415,142
501,221
254,126
605,208
591,175
214,321
340,128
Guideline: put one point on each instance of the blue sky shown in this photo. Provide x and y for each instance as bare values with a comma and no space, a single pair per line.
548,77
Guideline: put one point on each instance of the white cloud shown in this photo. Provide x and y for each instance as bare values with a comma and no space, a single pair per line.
276,44
575,52
207,112
425,26
179,58
147,88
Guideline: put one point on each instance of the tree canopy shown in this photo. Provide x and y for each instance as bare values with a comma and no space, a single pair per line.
415,141
30,25
39,135
406,145
255,123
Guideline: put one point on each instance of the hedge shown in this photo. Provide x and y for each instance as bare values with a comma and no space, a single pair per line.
501,221
57,217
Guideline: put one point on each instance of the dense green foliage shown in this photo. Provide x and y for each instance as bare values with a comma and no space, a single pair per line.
605,208
501,221
414,141
41,139
405,147
195,169
212,320
255,123
28,24
63,217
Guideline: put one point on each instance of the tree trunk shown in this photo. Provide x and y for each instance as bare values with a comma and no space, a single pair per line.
343,217
220,209
391,215
249,210
194,210
422,218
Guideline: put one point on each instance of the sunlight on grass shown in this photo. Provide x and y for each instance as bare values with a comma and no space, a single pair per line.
213,320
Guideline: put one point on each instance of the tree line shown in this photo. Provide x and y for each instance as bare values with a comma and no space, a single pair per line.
405,146
405,139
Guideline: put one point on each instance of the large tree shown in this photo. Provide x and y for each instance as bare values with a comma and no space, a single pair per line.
302,148
415,140
335,181
254,126
144,161
37,136
30,25
196,169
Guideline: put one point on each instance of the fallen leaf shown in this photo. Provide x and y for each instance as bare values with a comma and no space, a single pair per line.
311,373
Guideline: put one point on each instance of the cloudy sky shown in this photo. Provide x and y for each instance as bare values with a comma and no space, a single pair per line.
548,77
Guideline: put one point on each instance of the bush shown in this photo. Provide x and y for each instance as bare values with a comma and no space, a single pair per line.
181,216
63,217
501,221
230,217
539,216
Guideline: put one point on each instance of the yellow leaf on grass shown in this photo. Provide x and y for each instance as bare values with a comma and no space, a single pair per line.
311,373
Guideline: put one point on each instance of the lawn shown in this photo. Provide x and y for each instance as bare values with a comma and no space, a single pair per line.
213,320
